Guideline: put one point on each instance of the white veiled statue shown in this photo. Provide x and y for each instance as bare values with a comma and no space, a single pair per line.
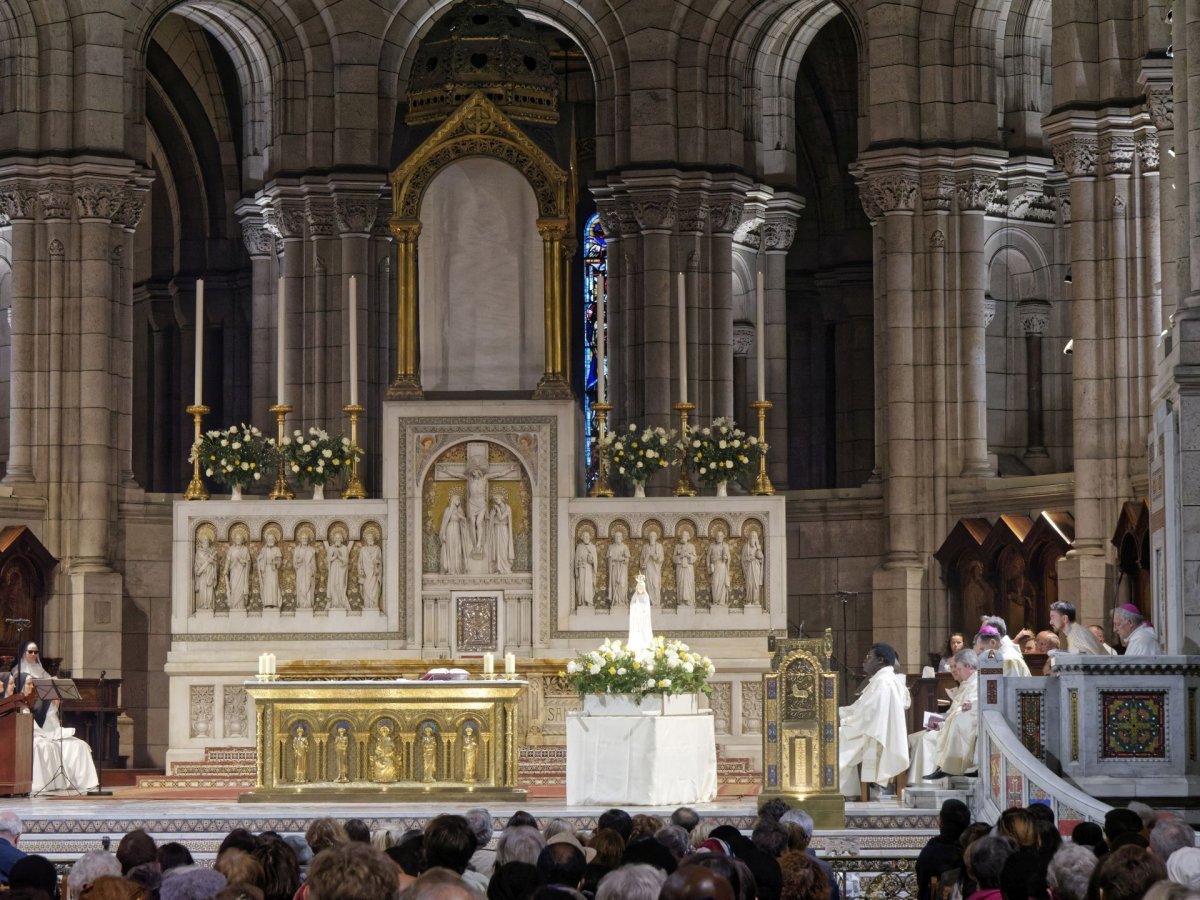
641,635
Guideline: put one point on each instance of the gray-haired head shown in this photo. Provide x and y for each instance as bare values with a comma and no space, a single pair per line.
557,826
674,838
686,818
520,844
987,857
1128,615
967,658
1070,870
1144,810
480,821
800,819
11,824
635,882
996,622
1170,835
92,865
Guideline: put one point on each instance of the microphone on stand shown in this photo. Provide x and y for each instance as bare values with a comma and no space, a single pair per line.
102,738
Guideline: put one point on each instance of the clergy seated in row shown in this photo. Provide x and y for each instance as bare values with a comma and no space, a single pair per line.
988,638
872,730
947,745
1135,632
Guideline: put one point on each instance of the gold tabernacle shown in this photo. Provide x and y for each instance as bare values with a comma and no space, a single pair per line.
386,740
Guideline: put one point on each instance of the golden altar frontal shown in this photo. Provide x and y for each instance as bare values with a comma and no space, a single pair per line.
392,740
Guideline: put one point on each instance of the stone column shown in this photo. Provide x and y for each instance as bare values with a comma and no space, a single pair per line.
18,201
743,349
355,218
1034,316
724,214
692,221
289,219
775,236
322,343
260,244
659,347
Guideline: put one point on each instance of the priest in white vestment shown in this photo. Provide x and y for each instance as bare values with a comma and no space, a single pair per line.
987,639
1135,632
1009,650
948,748
873,733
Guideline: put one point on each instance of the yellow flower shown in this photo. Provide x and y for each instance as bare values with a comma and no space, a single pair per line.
612,670
636,665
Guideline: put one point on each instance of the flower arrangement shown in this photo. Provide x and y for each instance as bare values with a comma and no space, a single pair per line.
669,667
722,452
316,458
233,456
635,454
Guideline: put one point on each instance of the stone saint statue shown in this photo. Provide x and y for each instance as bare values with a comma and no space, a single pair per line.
585,570
383,757
237,572
341,754
300,753
477,503
269,560
718,569
641,633
752,569
500,523
454,534
428,756
205,569
684,558
304,561
370,571
337,558
653,556
470,754
618,570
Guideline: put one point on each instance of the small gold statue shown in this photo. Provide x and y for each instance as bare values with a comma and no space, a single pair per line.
341,753
470,753
383,758
428,756
300,752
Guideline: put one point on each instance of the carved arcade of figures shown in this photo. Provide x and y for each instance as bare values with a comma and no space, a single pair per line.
718,569
470,750
383,756
205,571
300,754
237,572
268,563
370,571
429,745
752,568
684,559
653,557
618,570
585,570
304,561
341,754
337,562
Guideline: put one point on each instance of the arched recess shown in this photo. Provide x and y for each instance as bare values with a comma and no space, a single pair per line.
479,129
1025,85
18,75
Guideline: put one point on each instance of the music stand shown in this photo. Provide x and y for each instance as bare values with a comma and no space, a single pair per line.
48,690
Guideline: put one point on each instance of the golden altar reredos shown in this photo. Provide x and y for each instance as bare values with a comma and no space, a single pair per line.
800,730
389,740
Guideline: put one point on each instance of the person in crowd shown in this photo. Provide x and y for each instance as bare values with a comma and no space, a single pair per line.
644,827
562,864
323,833
1023,878
799,825
357,830
1098,634
172,855
388,836
954,643
732,869
1070,871
1029,646
675,839
1184,867
619,821
701,832
136,848
239,839
557,826
484,858
696,883
352,870
92,865
440,884
649,852
1016,823
1170,835
767,877
239,892
190,882
513,881
520,817
985,859
874,733
281,869
988,638
239,867
943,852
609,849
1169,890
803,879
686,818
1090,835
450,844
1047,641
1135,632
950,744
1123,826
1125,874
770,837
34,873
1008,648
10,836
521,843
1077,638
634,882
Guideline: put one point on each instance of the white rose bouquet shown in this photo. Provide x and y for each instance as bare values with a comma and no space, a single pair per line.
317,457
635,453
669,667
722,452
233,456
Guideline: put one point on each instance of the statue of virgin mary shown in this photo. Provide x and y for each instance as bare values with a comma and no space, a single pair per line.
641,635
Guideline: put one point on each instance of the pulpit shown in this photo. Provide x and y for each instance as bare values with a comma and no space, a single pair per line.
16,746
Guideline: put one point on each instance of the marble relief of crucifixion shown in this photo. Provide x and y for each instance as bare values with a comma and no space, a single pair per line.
478,472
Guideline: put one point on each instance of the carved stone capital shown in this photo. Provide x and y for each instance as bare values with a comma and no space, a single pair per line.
724,216
100,199
1076,156
355,215
382,225
743,338
777,234
1160,100
18,200
1032,208
289,218
610,221
889,192
627,216
937,192
974,191
258,240
56,199
1147,151
692,217
989,309
319,213
1034,316
132,205
1117,152
655,213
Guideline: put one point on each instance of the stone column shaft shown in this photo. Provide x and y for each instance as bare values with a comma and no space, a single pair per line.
973,196
21,378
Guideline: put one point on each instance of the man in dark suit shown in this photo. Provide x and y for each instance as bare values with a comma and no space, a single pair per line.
10,834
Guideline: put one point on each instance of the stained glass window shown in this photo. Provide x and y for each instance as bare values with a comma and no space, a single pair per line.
595,291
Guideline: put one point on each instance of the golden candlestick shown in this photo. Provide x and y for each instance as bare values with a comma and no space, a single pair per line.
600,486
195,489
684,486
762,484
281,491
354,486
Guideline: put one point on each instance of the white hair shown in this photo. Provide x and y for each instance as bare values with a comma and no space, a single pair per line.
800,819
520,844
1070,870
1129,616
10,823
92,865
633,882
480,821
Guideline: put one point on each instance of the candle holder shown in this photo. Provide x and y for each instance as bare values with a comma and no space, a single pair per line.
684,486
195,489
600,486
762,483
281,491
354,486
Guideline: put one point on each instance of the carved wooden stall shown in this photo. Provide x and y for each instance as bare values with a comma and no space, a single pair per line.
1132,540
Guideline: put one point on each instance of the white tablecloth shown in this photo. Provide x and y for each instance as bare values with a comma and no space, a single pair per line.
641,760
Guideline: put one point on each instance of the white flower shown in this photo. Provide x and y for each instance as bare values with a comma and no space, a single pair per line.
737,443
696,444
245,467
572,667
650,682
595,669
703,470
639,465
327,453
688,667
307,448
621,671
257,475
722,444
208,472
224,443
666,682
237,445
650,454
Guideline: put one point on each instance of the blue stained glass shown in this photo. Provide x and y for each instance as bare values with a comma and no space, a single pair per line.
595,261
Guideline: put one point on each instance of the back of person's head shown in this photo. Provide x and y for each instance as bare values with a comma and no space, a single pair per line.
190,883
556,892
173,854
686,818
650,852
136,848
513,881
1121,821
732,869
113,887
675,839
1041,812
480,821
972,833
885,653
449,843
996,622
281,869
609,847
775,809
953,819
696,883
240,839
239,867
986,858
1125,874
1022,878
770,837
10,825
408,854
92,865
239,891
800,819
521,843
440,884
1019,825
803,879
1145,812
1184,867
644,827
1070,871
352,871
357,830
633,882
1169,890
619,821
1170,835
557,826
324,832
34,872
520,817
1049,838
1090,835
561,864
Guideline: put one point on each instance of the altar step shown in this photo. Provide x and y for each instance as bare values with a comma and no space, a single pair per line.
222,767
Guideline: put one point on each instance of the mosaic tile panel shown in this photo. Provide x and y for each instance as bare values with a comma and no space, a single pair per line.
1014,789
1135,724
1030,711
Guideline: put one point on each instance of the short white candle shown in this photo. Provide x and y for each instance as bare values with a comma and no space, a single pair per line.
683,368
262,664
601,340
760,337
270,663
510,664
354,340
199,340
280,370
489,663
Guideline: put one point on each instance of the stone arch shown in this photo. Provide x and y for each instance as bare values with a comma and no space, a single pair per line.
1024,77
19,68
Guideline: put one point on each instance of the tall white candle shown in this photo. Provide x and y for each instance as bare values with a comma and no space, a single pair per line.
280,369
489,663
199,341
760,337
354,340
601,340
683,368
510,664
